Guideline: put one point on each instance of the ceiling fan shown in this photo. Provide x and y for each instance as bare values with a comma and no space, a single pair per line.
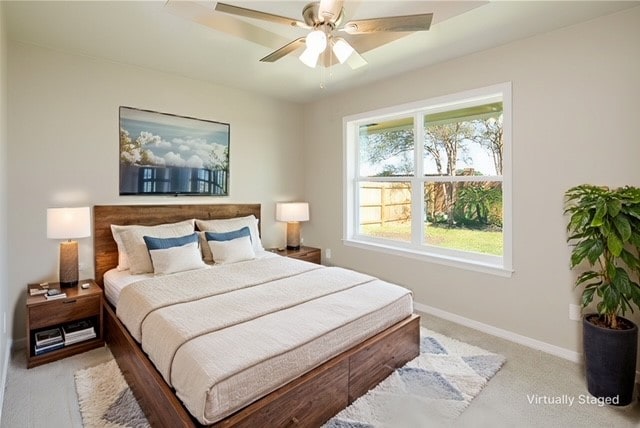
330,41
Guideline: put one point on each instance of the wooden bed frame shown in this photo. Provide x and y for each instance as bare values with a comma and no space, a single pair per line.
309,400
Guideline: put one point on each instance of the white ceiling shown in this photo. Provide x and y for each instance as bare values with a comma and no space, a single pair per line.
156,35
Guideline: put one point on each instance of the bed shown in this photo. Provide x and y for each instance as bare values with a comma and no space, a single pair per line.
308,398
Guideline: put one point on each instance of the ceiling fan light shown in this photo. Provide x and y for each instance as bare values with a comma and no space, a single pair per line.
316,41
342,50
309,57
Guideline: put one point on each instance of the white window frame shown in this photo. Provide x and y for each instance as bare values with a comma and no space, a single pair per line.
496,265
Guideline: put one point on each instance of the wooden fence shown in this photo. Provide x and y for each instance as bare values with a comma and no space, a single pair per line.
382,203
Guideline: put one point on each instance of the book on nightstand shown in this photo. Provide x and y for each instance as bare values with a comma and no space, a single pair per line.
48,348
38,289
48,340
78,331
49,337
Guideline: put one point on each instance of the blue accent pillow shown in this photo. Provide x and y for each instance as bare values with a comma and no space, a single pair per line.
164,243
228,236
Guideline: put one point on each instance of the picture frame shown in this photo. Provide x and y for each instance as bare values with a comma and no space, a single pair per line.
168,154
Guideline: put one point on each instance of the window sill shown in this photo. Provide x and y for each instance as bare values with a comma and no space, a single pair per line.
465,264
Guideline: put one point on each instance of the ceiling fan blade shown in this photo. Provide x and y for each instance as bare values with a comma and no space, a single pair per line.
390,24
195,12
356,61
255,14
367,42
285,50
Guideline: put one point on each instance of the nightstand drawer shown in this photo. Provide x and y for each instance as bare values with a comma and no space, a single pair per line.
63,311
311,256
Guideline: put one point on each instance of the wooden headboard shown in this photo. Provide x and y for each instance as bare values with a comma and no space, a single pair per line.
105,251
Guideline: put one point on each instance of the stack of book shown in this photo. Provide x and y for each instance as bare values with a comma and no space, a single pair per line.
48,340
77,332
37,289
55,295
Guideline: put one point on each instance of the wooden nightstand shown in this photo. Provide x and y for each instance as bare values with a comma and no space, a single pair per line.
42,314
308,254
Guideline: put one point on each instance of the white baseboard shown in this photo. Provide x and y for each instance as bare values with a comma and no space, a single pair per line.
504,334
3,380
539,345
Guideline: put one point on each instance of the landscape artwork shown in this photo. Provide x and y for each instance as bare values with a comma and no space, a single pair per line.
167,154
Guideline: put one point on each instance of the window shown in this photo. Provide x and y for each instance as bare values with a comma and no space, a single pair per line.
432,179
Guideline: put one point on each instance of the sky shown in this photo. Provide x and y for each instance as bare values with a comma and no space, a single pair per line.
174,140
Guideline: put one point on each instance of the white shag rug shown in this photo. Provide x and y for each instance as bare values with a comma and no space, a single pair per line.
105,398
434,387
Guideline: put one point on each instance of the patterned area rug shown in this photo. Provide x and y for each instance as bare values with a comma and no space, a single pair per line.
430,390
434,387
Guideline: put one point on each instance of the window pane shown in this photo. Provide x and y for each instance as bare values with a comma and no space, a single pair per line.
385,210
464,216
466,141
387,148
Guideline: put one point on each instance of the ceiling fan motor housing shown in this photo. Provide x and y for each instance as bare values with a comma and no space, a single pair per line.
313,18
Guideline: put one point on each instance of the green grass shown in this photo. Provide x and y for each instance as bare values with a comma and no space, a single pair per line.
479,241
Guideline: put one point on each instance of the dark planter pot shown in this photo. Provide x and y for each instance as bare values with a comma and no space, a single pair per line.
610,360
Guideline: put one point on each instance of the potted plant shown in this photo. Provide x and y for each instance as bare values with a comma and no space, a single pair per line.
604,231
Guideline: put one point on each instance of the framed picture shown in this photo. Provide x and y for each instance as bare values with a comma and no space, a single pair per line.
167,154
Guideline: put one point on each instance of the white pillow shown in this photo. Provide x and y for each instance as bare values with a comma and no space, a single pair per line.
123,260
136,249
177,259
235,250
231,224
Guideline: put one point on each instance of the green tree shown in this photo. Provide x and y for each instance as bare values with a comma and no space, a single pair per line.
473,206
447,140
394,149
488,133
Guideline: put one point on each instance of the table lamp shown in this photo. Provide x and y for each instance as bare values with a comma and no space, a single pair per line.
293,213
68,223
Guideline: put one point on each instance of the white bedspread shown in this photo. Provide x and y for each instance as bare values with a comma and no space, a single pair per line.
224,337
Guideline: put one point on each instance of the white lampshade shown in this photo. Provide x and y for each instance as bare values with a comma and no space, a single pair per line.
316,41
68,223
341,49
310,58
292,211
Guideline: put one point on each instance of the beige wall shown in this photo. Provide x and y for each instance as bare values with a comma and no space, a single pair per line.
4,292
63,149
575,113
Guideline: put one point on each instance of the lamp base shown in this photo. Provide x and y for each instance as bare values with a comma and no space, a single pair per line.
68,264
68,284
293,235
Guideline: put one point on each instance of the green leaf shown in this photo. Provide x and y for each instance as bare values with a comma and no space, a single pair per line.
601,210
578,221
595,250
614,244
581,251
635,239
623,227
630,259
586,276
620,284
587,297
633,211
613,207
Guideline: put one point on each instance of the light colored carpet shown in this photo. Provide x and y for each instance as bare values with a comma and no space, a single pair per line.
439,383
